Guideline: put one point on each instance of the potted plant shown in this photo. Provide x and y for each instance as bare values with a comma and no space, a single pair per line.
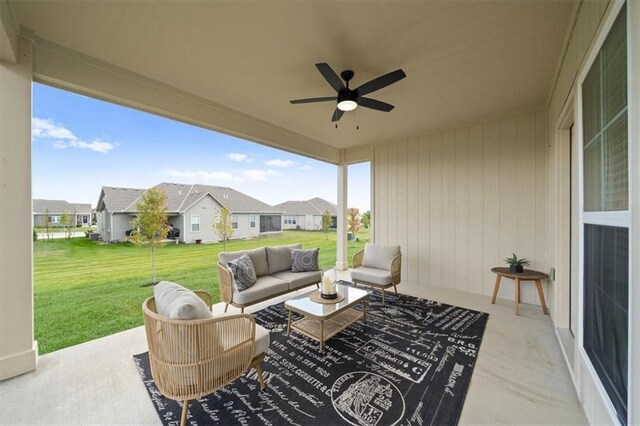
515,264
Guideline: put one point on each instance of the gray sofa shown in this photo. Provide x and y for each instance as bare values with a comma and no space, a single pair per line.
273,270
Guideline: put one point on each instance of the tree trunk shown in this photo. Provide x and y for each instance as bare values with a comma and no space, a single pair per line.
153,264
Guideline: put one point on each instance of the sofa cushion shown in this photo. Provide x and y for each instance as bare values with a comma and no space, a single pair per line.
379,256
371,275
265,286
244,276
299,279
258,258
279,258
304,260
176,302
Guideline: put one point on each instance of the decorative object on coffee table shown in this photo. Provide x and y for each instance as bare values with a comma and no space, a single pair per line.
328,288
323,321
525,275
515,264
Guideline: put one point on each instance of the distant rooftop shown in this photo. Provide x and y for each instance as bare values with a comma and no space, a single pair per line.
315,206
59,207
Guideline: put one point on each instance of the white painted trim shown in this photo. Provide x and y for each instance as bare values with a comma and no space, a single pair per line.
20,363
618,218
633,72
68,69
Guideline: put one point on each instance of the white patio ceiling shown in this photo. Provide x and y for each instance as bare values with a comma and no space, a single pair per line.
465,60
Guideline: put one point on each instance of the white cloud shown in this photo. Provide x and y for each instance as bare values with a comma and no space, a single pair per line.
305,167
200,175
44,128
235,156
279,163
259,175
62,138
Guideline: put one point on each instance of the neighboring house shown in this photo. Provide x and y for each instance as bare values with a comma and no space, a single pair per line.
81,212
307,214
191,209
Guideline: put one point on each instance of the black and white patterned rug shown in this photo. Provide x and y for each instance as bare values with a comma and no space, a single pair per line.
410,364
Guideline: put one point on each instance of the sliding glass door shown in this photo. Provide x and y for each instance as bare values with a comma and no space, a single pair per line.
605,216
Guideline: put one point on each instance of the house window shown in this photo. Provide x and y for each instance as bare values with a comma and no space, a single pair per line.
54,219
270,223
234,221
290,220
195,223
252,221
605,216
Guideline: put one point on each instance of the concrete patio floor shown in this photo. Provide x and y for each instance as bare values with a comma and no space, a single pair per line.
520,377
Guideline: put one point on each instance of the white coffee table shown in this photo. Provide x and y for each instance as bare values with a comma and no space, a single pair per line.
323,321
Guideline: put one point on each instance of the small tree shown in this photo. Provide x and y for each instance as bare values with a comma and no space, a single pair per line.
327,220
366,219
151,224
47,224
67,221
353,218
223,226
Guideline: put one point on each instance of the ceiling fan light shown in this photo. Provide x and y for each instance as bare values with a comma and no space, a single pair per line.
347,105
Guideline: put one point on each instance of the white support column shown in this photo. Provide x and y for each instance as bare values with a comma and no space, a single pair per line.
342,262
18,350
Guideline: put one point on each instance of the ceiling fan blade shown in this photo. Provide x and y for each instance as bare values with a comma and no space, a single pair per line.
373,104
310,100
380,82
331,77
337,115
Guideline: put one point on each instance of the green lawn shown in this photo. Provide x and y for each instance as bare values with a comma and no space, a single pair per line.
85,290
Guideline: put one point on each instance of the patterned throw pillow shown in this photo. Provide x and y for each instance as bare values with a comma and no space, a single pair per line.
304,260
244,274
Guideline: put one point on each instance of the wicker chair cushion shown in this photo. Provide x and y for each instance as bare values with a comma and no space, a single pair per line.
258,258
279,258
244,275
176,302
371,275
299,279
379,256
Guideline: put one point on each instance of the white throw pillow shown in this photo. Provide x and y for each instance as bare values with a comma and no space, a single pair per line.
176,302
378,256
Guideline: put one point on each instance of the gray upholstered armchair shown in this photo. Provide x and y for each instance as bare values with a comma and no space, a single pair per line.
377,266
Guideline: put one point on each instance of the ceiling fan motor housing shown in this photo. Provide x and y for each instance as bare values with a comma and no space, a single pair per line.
347,95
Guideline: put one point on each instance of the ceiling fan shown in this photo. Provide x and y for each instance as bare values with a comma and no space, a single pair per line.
349,99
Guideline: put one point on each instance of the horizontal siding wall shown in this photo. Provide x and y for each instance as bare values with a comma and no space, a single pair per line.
460,201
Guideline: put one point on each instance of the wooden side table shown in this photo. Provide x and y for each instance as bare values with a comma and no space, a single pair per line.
526,275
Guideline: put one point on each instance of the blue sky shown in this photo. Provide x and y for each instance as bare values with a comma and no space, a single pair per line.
81,144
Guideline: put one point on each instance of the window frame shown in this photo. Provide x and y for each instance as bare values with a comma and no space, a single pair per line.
235,221
191,222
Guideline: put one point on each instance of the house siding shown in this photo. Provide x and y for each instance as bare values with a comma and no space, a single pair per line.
120,224
460,201
207,208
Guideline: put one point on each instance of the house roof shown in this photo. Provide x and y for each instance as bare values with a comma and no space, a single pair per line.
117,199
60,206
182,196
314,206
